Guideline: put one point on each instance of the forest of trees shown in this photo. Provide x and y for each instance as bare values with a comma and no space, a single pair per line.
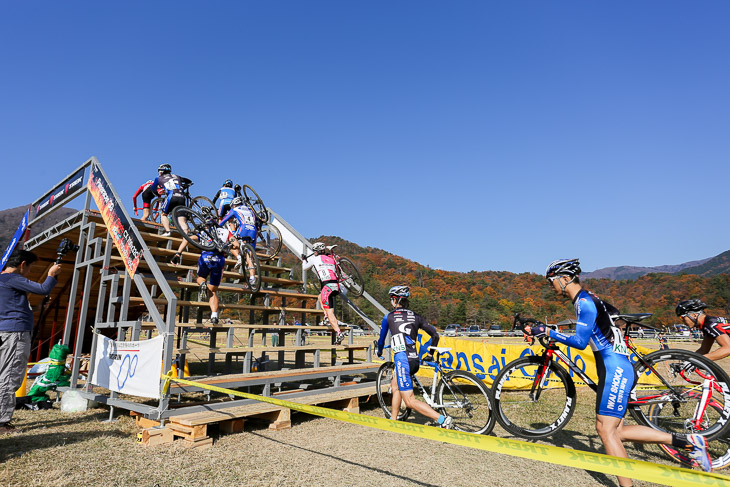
492,297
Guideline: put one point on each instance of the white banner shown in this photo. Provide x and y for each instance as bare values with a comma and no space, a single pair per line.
129,367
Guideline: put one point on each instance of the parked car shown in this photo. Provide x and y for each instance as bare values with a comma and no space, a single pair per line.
681,330
357,330
495,330
452,330
474,330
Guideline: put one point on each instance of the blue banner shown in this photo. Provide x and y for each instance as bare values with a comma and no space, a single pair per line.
16,238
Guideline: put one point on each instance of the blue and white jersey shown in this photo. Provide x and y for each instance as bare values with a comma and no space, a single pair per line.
245,217
224,196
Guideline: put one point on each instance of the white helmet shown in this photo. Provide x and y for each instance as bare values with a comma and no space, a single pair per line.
319,247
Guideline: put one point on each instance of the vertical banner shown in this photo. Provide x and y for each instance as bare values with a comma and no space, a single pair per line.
67,190
116,222
129,367
16,238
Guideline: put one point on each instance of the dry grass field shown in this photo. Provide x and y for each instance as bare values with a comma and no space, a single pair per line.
83,449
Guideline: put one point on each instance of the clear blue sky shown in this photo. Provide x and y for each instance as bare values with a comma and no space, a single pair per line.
464,135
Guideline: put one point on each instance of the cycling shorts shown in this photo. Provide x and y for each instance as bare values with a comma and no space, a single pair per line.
211,264
327,296
616,379
223,209
404,369
173,201
147,196
247,235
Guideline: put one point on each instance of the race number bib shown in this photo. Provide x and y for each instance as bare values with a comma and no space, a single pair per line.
398,343
619,346
170,185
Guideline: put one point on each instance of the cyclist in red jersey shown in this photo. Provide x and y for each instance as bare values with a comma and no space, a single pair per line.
714,328
326,270
147,196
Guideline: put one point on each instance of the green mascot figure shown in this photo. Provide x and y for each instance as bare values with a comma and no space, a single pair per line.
55,376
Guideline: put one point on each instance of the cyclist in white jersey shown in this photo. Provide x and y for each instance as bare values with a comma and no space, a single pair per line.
326,270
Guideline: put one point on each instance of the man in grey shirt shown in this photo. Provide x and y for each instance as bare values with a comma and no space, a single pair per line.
16,325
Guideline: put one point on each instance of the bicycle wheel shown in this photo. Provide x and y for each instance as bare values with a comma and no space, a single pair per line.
194,228
268,242
200,202
254,201
156,210
350,277
384,385
466,399
528,409
250,261
718,449
666,400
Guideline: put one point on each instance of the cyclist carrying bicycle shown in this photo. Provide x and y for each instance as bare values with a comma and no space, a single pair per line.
173,185
211,264
326,270
246,231
225,196
714,328
616,379
147,196
403,325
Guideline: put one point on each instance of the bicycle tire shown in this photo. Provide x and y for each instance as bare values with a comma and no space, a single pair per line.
268,242
197,231
200,202
551,408
719,450
248,251
254,201
156,210
650,390
384,387
469,402
350,277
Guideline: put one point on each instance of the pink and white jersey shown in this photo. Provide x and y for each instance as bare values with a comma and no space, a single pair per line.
324,265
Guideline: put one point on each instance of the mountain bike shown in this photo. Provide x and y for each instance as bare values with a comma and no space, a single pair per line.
254,201
201,231
197,204
535,397
268,241
457,393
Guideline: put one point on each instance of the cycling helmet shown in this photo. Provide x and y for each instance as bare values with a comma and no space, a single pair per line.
165,168
227,183
319,247
690,306
237,201
400,292
563,267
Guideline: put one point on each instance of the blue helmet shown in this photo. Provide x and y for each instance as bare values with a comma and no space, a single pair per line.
227,183
400,292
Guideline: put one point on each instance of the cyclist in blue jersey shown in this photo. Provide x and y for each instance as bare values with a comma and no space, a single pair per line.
173,185
224,196
403,325
210,265
616,377
247,222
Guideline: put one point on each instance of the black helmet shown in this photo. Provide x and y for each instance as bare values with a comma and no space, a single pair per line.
227,183
563,267
400,291
165,168
690,306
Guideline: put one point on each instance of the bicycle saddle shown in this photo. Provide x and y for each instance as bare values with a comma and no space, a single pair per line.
440,349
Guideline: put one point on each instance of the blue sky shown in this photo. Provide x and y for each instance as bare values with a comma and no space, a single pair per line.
472,135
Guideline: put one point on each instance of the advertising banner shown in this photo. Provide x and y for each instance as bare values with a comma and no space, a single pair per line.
61,193
125,240
17,237
129,367
485,360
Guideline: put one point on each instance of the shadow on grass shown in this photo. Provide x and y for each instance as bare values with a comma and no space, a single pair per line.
12,446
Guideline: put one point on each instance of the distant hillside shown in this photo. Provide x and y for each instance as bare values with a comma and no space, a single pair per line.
632,272
10,219
719,264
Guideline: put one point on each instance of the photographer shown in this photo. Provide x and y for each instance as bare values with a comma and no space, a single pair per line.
16,325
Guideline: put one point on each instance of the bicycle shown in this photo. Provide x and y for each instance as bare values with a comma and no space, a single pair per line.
347,273
665,396
457,393
196,204
268,241
201,231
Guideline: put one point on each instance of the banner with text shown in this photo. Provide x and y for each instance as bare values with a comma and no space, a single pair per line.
17,237
129,367
69,188
117,224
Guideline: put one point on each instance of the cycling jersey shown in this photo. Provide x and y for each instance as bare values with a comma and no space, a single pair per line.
403,325
714,326
224,196
147,195
211,263
246,220
173,184
325,267
595,327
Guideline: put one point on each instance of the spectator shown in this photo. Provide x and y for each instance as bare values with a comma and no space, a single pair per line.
16,325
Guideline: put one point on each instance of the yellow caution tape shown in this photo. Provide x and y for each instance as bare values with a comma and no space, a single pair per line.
595,462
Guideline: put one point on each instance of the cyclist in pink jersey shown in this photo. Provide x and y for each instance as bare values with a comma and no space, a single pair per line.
326,270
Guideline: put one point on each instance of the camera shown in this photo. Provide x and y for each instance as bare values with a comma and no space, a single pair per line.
64,248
